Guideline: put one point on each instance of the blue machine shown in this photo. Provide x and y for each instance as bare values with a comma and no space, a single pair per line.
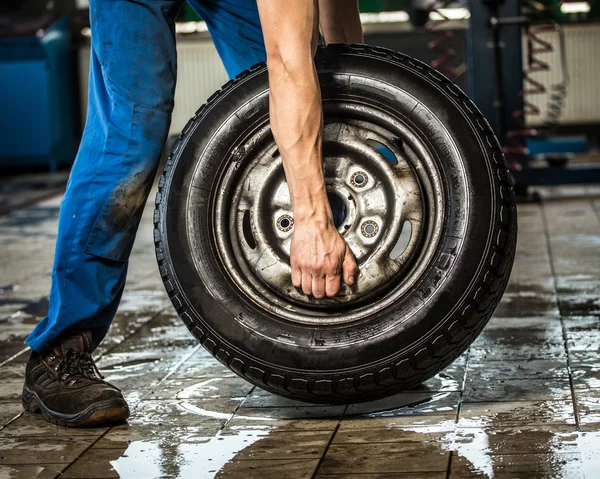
36,118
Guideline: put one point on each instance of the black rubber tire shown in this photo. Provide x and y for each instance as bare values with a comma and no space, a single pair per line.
397,348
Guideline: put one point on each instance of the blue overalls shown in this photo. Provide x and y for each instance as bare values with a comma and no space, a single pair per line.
132,84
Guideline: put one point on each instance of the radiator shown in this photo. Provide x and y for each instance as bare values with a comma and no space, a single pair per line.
200,73
582,103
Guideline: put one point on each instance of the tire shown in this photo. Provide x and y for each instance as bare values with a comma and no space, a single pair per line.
399,331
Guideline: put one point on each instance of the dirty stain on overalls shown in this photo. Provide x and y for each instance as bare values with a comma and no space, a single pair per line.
132,83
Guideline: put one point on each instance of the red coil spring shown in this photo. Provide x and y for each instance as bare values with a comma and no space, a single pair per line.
438,45
535,46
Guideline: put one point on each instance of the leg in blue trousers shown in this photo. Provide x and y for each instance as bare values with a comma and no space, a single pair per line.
132,82
131,90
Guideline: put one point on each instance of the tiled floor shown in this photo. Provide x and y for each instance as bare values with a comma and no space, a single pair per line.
524,401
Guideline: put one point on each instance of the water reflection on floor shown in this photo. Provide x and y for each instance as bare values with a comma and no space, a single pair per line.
523,401
143,459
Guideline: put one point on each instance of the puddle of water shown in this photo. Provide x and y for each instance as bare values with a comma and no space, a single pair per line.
201,389
198,460
191,408
421,401
142,300
472,443
587,444
484,443
483,440
198,411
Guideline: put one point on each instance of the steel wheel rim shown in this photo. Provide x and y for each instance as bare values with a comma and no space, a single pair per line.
251,205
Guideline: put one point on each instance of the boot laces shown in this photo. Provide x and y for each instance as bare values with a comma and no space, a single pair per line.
78,365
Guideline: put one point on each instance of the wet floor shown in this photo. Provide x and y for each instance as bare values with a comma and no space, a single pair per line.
523,401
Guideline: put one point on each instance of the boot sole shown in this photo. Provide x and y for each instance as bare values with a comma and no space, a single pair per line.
102,413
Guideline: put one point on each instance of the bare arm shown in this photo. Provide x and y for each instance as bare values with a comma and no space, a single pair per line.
319,255
340,21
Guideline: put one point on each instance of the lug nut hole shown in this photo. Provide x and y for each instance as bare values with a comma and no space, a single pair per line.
285,223
369,229
359,179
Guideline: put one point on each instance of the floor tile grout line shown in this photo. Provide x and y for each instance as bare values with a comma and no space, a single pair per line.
449,464
562,322
237,408
14,356
12,420
459,407
152,318
86,450
244,400
169,374
462,386
336,429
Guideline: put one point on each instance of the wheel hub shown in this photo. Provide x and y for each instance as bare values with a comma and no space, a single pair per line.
384,205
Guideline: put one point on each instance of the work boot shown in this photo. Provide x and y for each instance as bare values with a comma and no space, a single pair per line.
65,385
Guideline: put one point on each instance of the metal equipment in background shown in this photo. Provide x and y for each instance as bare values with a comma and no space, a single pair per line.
503,88
441,43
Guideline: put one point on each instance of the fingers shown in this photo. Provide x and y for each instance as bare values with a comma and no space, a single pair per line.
350,268
296,276
315,282
318,285
319,270
333,284
306,282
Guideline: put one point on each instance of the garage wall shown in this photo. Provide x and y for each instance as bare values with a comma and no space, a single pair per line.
201,73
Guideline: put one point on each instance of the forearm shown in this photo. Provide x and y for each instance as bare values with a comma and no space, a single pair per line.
340,21
295,102
297,122
319,256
